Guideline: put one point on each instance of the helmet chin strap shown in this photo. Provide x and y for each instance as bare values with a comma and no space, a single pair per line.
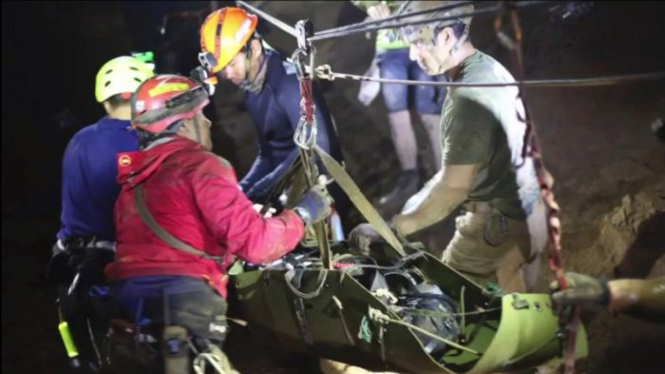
248,67
462,39
453,51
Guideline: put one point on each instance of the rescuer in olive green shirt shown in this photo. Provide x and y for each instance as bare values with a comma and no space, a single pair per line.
482,140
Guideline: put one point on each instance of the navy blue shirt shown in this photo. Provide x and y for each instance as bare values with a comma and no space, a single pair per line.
89,172
276,113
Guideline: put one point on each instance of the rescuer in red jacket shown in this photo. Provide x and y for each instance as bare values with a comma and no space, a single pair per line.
181,218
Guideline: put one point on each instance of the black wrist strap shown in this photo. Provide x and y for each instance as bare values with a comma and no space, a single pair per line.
606,296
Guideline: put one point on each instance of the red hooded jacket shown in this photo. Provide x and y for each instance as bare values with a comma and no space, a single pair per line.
194,195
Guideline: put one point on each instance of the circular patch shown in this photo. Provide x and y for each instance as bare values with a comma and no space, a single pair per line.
124,161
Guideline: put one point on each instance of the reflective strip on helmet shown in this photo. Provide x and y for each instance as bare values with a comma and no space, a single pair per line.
243,30
218,35
195,94
184,103
168,87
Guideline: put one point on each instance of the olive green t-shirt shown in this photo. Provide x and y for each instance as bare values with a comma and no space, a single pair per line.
481,126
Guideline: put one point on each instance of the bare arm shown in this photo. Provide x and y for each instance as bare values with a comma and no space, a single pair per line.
445,192
640,298
644,299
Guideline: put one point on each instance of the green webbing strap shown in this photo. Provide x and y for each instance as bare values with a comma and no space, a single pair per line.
169,239
359,200
298,186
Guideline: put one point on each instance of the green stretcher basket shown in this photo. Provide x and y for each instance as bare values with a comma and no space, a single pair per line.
519,331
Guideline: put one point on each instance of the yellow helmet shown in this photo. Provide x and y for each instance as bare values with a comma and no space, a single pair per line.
121,75
426,32
224,34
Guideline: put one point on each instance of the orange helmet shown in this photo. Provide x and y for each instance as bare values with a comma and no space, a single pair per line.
224,34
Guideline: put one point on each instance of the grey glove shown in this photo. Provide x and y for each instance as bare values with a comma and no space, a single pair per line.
314,206
582,290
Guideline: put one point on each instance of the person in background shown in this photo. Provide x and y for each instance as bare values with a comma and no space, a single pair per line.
392,57
86,240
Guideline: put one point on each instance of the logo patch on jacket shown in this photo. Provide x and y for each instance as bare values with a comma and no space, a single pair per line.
124,161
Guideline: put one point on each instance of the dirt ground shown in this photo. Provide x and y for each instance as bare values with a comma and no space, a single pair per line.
608,166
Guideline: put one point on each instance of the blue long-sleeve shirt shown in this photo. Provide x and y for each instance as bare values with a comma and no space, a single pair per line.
276,113
89,172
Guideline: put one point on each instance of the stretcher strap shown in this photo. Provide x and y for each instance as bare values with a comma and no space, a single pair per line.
359,200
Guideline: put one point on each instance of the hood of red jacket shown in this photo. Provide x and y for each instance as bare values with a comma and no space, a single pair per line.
135,167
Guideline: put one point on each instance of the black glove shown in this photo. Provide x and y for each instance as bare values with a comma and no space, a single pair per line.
200,75
582,290
314,206
362,236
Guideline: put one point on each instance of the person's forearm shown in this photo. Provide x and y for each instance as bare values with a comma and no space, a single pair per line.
269,181
641,298
432,204
259,169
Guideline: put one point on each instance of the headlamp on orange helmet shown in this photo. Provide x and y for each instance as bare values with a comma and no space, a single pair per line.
224,34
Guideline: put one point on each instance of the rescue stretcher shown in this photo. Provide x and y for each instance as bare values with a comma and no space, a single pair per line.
342,315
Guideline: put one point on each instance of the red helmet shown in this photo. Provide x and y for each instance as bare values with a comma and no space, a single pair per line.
164,99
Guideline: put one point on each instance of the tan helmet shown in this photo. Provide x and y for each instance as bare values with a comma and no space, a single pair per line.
426,32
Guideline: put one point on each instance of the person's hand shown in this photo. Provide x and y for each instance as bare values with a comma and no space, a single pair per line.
379,11
362,236
314,206
268,214
583,290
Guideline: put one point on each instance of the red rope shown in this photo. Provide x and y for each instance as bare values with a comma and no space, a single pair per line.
307,107
546,181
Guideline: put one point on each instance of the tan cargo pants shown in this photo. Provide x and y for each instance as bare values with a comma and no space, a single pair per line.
489,247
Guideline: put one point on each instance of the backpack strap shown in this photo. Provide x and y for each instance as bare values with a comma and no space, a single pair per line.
164,235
